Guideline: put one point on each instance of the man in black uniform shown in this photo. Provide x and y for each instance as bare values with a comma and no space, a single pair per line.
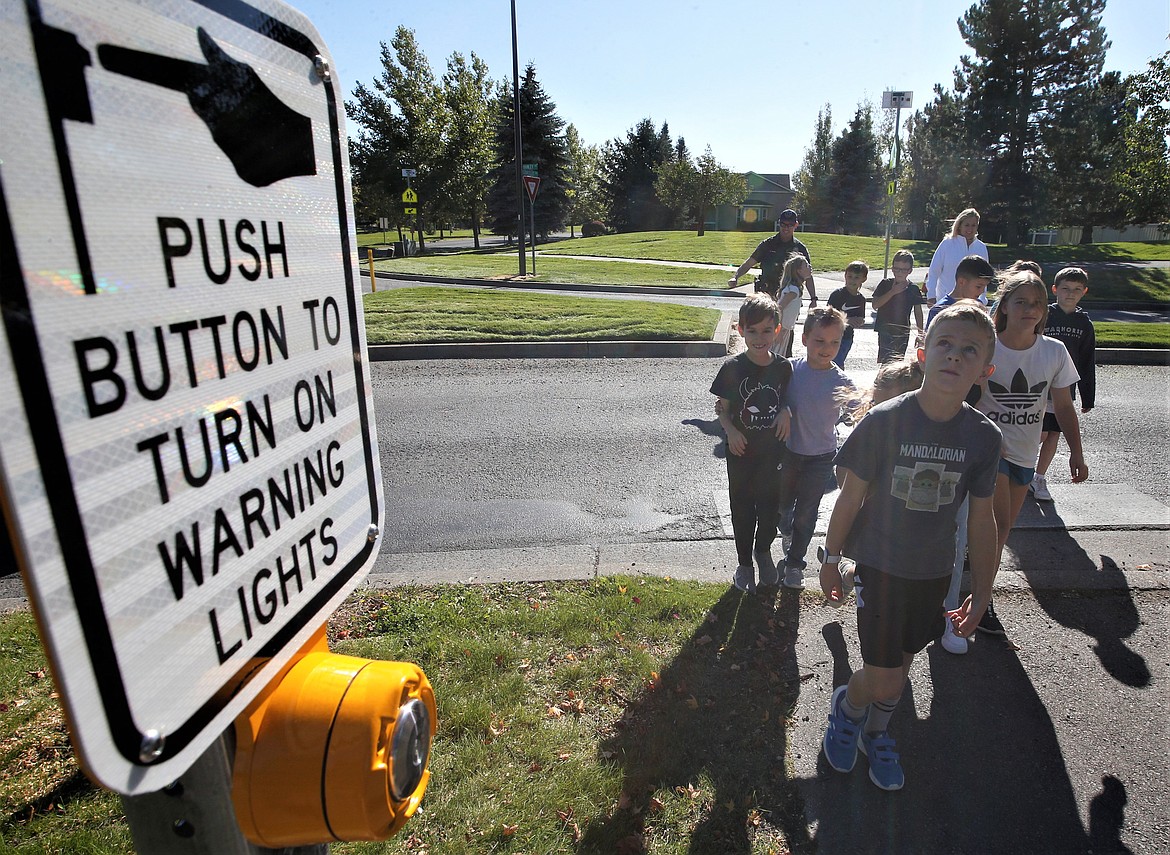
771,254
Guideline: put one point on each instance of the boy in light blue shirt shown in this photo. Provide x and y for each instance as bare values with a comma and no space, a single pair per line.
815,395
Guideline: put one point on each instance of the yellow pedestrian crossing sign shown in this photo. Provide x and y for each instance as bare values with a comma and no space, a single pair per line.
409,196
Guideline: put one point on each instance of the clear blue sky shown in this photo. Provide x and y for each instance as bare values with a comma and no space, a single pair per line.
746,77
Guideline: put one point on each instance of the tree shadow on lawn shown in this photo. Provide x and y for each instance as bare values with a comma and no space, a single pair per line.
718,712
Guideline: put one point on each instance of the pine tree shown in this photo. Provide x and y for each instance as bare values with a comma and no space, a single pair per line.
543,138
856,184
1031,60
940,172
812,179
629,169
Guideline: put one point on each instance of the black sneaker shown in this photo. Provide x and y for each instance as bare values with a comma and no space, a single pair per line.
990,623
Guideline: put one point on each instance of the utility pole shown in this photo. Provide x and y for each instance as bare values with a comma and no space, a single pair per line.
519,150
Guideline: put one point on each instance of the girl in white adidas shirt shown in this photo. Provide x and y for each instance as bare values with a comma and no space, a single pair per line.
1028,366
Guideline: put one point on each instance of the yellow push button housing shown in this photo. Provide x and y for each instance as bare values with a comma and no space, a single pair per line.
335,750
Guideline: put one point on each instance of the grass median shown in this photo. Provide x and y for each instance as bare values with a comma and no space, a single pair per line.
1122,334
833,252
503,266
623,714
434,314
1113,280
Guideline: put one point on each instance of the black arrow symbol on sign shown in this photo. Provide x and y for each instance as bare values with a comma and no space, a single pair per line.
264,138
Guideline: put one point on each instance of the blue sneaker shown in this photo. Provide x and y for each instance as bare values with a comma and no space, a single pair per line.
745,578
840,742
884,769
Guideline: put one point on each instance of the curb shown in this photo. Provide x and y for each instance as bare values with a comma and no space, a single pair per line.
1132,356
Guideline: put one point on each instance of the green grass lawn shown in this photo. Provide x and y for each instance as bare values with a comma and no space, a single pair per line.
433,314
377,237
1121,334
833,252
570,720
829,252
554,270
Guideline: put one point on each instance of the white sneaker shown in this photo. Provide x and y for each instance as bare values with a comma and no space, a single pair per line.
952,642
1039,488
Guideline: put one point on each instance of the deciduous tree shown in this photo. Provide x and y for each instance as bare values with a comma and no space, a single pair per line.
695,188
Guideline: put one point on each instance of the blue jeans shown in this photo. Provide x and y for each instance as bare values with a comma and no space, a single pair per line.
802,484
846,346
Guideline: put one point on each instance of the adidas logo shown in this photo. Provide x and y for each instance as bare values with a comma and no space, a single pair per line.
1020,396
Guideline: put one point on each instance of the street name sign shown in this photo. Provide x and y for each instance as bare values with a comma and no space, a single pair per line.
189,466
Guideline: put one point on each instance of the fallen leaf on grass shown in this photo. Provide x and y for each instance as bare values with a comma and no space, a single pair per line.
703,639
565,815
692,702
655,805
689,790
553,712
508,830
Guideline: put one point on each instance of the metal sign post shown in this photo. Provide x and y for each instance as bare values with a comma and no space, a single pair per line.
188,449
532,187
894,100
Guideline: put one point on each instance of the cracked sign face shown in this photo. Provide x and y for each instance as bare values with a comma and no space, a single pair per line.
187,444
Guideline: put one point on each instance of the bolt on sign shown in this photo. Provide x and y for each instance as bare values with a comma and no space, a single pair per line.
188,455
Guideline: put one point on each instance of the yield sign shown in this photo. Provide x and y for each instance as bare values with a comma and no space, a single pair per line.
532,185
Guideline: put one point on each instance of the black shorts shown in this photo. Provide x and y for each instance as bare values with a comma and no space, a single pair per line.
1051,425
896,616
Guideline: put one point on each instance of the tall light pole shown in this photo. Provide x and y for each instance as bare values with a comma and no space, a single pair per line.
519,148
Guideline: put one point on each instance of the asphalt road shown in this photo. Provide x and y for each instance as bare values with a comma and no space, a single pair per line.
495,454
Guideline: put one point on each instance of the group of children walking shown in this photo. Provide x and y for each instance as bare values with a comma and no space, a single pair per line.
933,475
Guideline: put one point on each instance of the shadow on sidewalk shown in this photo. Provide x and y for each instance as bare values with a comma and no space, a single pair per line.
707,744
984,769
1076,602
711,427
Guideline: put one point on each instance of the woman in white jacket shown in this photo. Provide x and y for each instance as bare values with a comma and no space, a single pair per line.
940,281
